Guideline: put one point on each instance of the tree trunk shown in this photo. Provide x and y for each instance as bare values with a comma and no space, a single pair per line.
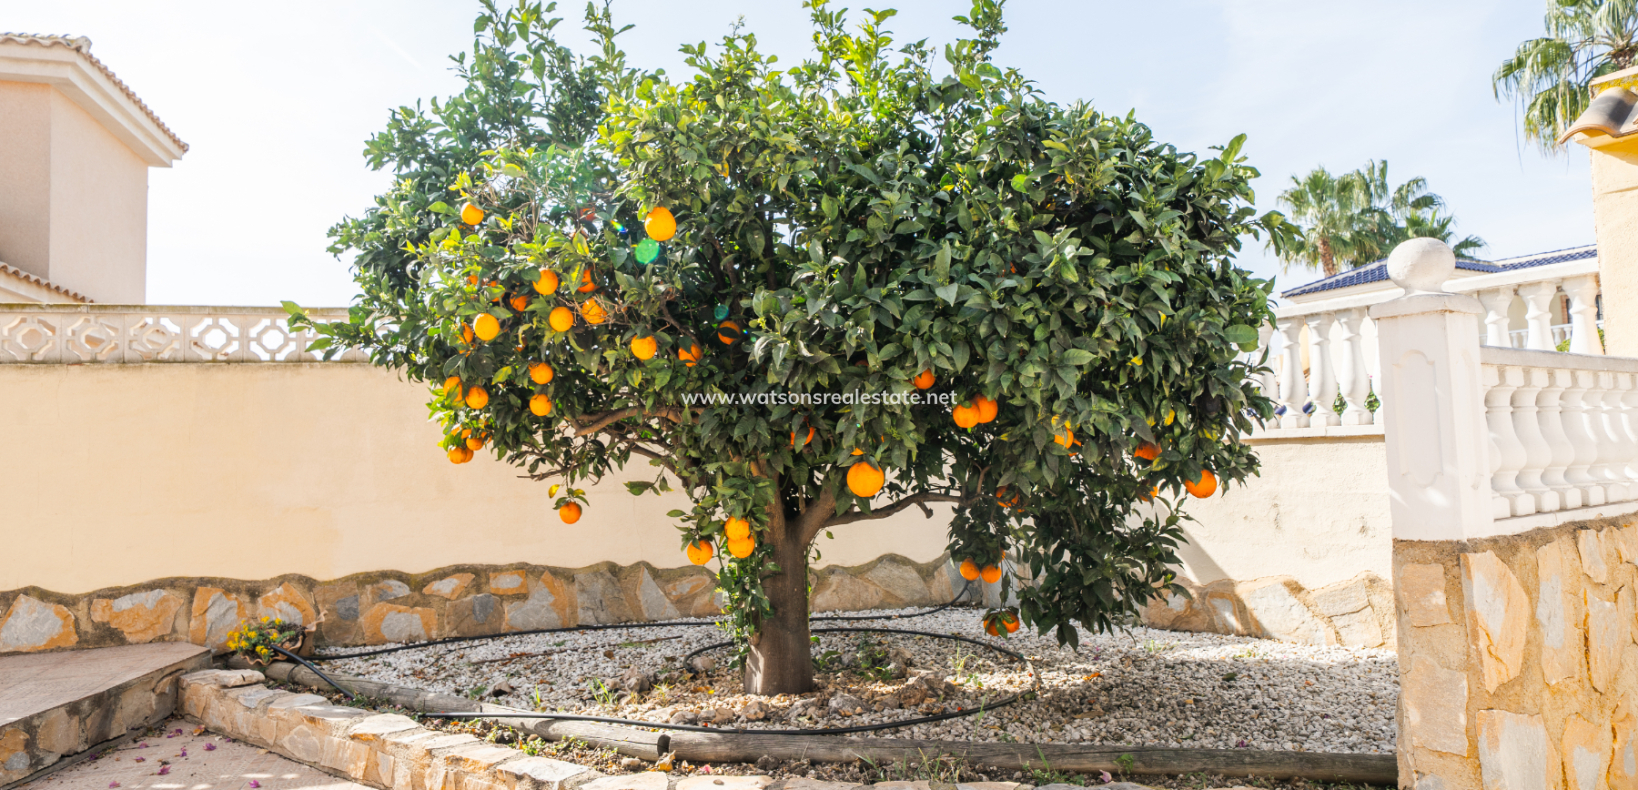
1328,261
781,660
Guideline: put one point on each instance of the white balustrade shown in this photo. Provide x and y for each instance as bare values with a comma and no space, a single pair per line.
1497,302
1352,378
1559,437
1293,395
1583,328
77,334
1322,379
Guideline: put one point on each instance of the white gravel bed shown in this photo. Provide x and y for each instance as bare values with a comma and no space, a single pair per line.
1141,687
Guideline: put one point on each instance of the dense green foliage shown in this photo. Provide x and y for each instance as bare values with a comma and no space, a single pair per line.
1357,218
862,218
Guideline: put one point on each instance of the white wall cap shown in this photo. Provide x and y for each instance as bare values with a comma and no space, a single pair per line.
1421,266
1427,303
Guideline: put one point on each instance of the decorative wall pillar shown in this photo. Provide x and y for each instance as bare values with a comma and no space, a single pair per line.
1509,455
1322,379
1583,293
1538,314
1497,301
1437,438
1549,410
1538,453
1578,429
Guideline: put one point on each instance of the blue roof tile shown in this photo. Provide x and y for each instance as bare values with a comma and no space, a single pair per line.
1377,272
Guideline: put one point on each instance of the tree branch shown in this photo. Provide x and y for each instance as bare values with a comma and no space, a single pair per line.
609,418
919,499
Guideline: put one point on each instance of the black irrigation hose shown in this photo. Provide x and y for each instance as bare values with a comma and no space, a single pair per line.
304,662
891,725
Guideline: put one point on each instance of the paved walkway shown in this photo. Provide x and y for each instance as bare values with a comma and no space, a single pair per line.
211,762
32,683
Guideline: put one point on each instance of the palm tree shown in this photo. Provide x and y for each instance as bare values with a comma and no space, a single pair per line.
1550,76
1333,213
1356,218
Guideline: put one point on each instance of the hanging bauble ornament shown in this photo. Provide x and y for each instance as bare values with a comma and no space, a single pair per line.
647,250
721,312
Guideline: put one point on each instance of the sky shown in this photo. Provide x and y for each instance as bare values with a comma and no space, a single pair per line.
276,101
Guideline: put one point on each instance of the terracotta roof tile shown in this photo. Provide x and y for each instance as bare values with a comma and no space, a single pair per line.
82,45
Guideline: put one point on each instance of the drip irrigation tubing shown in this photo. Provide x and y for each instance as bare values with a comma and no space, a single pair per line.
686,662
304,662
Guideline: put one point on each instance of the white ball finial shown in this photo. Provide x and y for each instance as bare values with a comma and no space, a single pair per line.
1421,266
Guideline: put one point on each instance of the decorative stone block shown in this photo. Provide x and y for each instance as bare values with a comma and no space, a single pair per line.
902,585
1514,751
1434,700
387,590
652,600
1359,629
723,782
1557,615
387,622
1282,615
1590,545
31,625
1342,599
449,587
1623,771
599,599
288,604
140,616
223,678
543,773
215,614
474,615
372,729
648,780
1422,594
546,606
339,607
1586,753
1607,634
508,583
1497,615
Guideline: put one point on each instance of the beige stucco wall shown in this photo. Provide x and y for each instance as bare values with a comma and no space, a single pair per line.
1615,214
73,198
1318,513
99,209
119,474
25,172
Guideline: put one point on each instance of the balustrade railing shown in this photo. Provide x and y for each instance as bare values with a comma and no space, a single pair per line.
76,334
1325,353
1491,440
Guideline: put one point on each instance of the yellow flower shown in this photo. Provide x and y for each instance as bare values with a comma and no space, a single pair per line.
1137,360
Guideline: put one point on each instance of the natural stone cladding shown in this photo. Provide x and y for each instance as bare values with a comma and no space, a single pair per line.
459,600
1517,660
1355,613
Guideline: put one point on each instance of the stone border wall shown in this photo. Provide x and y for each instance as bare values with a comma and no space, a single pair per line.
1518,665
458,600
1355,613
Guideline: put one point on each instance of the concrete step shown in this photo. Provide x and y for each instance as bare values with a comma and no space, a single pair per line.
57,704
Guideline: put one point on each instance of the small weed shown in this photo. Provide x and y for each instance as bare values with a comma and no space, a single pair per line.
603,693
1125,762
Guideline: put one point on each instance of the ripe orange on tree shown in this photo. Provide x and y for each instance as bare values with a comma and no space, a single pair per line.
660,225
690,355
924,379
561,319
541,372
1148,451
466,334
736,528
471,214
1065,439
1007,497
519,302
965,414
586,284
644,347
969,570
477,397
743,547
700,552
990,574
864,479
1009,621
593,311
540,405
805,442
547,284
1205,488
460,455
987,409
486,326
728,332
570,513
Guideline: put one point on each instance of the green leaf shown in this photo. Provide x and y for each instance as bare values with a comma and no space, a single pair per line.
948,292
1243,336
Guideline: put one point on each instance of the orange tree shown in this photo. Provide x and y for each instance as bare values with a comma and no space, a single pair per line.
820,295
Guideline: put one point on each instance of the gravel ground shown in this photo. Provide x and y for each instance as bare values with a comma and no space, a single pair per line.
1141,687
